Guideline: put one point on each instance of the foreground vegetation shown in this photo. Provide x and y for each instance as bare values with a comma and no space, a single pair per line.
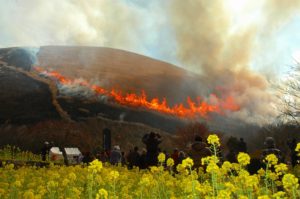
98,180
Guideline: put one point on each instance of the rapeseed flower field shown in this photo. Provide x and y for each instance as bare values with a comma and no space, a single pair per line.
103,181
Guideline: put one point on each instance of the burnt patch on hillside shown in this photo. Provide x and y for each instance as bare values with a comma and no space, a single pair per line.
80,109
24,99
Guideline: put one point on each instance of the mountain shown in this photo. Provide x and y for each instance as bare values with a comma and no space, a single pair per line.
33,109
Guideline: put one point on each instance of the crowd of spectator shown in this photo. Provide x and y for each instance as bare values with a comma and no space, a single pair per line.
198,149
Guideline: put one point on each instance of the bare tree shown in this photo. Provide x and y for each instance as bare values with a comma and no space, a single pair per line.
289,93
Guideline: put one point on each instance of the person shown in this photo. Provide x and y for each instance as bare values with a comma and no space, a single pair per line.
242,146
198,150
270,148
175,156
103,157
45,150
233,145
115,155
293,154
152,141
123,159
133,158
231,156
87,157
181,156
80,158
143,159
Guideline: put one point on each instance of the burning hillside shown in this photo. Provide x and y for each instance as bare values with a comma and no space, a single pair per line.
193,110
70,90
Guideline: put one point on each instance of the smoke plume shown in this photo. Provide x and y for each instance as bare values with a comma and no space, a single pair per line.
202,36
207,43
89,23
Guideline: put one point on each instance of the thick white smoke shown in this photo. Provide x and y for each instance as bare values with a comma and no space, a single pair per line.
218,39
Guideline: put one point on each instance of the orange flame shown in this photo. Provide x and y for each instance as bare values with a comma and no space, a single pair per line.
194,109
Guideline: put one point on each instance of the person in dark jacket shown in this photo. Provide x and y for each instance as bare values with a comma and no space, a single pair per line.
242,146
143,159
133,158
87,158
198,150
270,148
45,151
152,141
175,156
293,154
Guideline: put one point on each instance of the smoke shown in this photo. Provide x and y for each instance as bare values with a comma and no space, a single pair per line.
279,12
219,39
92,23
32,53
220,48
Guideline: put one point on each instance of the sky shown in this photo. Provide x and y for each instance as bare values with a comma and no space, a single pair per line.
242,45
149,27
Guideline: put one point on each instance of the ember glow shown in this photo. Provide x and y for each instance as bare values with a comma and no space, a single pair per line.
193,109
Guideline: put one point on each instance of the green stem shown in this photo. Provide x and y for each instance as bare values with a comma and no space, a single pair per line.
266,179
114,188
214,177
294,194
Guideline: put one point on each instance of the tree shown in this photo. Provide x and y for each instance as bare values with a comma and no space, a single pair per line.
289,94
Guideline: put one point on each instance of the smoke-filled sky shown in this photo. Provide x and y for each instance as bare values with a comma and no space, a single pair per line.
239,44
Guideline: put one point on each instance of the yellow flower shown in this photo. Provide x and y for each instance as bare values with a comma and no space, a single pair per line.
243,158
102,193
226,166
279,195
281,168
161,157
289,181
76,191
271,159
65,182
18,183
2,192
95,166
298,148
114,174
213,139
182,169
273,176
212,168
261,172
28,194
188,162
230,187
209,159
252,181
72,176
52,185
9,166
154,169
263,197
170,162
146,180
278,183
204,188
223,194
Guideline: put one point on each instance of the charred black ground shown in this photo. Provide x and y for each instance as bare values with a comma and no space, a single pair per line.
24,100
